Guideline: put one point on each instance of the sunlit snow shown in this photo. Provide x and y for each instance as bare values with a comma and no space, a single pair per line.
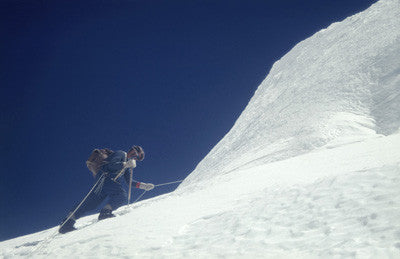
310,169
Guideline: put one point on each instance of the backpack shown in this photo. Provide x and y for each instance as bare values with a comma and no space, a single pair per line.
97,159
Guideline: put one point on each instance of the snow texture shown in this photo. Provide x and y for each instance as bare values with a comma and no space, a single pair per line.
310,169
338,85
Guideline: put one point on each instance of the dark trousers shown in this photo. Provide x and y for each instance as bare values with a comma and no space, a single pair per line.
106,188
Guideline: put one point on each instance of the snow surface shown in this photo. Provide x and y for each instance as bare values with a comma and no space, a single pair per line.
310,169
342,83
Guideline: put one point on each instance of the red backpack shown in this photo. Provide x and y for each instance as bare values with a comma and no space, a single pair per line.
97,159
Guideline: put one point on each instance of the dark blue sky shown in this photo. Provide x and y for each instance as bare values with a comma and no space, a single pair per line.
171,76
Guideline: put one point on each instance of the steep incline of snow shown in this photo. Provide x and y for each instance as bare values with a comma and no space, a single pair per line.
310,169
272,210
342,83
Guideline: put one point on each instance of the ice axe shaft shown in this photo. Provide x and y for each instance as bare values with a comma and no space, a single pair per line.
130,187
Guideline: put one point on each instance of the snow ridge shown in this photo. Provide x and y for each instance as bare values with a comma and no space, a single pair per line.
339,85
310,169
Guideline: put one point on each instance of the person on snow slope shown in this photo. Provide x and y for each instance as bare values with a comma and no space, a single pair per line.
105,165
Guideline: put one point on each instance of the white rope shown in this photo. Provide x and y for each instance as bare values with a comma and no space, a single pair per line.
119,174
140,196
154,186
80,204
168,183
48,239
42,243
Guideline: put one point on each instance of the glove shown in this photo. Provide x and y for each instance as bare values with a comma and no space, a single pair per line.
145,186
130,164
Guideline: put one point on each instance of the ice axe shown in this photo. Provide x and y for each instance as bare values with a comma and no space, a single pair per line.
130,186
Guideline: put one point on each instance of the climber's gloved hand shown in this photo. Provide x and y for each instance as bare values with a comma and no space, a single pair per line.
145,186
130,163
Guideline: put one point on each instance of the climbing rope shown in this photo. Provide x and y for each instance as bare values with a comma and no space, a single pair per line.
157,185
50,238
95,188
168,183
140,196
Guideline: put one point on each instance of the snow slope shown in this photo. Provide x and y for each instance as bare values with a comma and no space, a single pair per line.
340,84
310,169
347,205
